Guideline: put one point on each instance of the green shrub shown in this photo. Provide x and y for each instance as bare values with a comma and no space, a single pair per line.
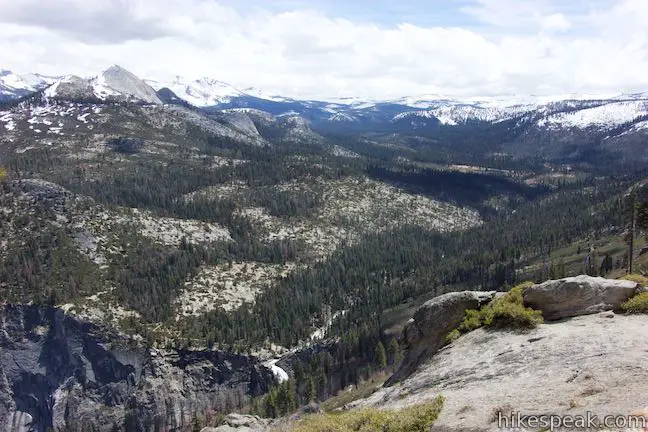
475,319
513,315
637,304
453,336
417,418
508,311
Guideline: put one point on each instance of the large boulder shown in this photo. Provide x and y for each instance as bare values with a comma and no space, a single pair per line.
427,330
579,295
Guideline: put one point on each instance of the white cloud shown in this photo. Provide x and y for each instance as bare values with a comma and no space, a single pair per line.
555,22
519,47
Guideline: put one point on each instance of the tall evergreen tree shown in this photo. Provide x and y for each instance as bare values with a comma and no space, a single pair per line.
380,358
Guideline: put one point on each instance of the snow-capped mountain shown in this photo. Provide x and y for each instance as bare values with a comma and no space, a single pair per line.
201,92
419,112
209,92
604,116
452,113
13,85
113,84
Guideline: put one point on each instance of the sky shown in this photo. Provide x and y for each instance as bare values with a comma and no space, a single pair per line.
324,49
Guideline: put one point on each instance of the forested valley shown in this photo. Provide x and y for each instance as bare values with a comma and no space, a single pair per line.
344,243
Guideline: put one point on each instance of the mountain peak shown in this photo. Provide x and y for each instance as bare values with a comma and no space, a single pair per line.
13,85
115,69
118,80
200,92
115,83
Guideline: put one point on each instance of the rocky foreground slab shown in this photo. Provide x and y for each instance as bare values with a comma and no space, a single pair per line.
592,362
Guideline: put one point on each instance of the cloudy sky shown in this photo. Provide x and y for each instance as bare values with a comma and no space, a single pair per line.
332,48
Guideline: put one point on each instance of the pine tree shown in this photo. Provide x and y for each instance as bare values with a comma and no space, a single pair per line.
323,385
606,265
196,423
311,391
380,357
270,404
394,352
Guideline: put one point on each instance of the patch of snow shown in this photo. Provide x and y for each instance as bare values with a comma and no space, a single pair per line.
200,92
604,116
342,117
8,118
452,114
13,83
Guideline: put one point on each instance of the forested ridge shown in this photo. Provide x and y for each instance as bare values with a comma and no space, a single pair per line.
379,271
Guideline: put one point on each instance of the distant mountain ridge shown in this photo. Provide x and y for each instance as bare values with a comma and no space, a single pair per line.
13,85
558,128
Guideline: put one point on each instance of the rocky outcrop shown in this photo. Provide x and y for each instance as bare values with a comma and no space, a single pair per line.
126,84
115,84
240,423
427,330
591,363
57,372
241,121
578,295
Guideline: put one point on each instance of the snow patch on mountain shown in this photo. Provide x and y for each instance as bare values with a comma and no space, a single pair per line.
201,92
262,94
452,114
342,117
13,85
206,92
115,83
643,125
604,116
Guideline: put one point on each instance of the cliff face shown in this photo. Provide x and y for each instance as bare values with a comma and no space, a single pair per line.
57,372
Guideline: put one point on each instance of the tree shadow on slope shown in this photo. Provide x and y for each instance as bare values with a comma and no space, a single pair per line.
465,189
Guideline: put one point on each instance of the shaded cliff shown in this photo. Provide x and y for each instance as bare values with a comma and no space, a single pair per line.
57,372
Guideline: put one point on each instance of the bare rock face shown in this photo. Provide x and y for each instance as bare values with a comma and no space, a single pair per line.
60,373
584,364
240,423
71,87
125,83
242,122
579,295
426,332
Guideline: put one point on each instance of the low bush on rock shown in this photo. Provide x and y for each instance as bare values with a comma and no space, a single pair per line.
636,304
505,312
417,418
